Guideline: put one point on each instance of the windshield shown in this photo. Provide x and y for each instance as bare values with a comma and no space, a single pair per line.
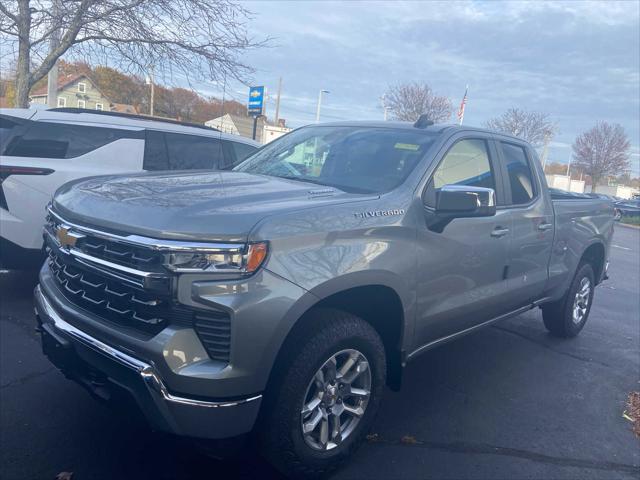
353,159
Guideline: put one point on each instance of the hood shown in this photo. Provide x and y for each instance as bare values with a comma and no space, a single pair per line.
202,205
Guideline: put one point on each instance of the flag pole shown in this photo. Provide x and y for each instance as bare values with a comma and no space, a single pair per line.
462,106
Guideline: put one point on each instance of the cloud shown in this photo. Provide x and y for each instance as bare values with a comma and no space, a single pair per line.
577,61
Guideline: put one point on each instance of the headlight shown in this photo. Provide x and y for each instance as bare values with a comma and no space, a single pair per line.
242,259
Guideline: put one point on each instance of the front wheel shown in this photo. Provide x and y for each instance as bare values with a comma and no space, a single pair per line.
321,408
566,317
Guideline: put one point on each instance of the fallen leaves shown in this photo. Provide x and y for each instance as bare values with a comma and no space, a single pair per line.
373,438
632,413
408,440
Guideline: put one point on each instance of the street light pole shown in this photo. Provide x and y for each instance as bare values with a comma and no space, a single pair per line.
319,104
383,100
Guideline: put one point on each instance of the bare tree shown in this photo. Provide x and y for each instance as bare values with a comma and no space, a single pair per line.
408,101
534,127
602,151
201,39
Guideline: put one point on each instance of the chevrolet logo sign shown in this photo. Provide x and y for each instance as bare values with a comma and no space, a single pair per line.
66,237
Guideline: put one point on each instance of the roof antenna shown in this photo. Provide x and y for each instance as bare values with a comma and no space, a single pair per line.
423,121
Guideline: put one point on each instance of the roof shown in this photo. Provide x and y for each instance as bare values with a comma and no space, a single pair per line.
123,108
436,128
123,120
244,125
63,81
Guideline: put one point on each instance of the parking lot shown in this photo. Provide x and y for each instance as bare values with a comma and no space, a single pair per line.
507,402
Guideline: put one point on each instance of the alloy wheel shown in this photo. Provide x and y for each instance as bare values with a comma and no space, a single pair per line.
581,301
336,399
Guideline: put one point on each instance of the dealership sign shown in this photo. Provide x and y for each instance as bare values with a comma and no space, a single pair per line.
256,100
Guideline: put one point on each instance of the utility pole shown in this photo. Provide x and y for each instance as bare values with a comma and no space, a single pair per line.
319,104
151,83
277,116
54,42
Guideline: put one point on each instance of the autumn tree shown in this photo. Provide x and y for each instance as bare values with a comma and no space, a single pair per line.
555,168
534,127
408,101
118,87
202,39
602,151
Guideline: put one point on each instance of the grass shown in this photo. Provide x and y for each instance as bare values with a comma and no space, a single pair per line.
631,220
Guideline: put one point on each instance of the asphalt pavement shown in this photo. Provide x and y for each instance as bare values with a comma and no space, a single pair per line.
507,402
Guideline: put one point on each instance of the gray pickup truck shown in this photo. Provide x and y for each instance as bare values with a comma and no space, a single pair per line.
281,297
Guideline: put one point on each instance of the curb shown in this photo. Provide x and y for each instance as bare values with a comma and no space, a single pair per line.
626,225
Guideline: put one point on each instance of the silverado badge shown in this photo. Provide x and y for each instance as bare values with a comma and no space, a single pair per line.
380,213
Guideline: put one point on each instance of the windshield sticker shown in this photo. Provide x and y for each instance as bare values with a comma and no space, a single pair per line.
407,146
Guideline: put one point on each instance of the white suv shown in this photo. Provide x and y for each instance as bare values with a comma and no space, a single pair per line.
42,149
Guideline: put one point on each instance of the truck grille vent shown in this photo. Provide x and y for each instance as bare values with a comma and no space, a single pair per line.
214,330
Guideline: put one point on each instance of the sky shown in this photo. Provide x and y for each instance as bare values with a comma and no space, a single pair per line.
578,61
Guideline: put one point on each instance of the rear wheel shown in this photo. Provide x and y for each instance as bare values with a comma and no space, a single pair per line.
567,317
321,408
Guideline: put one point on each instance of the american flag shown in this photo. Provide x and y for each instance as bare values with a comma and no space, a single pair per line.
462,105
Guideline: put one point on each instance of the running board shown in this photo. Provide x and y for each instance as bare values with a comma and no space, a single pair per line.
453,336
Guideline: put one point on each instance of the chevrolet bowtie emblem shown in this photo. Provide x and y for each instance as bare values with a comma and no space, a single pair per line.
66,237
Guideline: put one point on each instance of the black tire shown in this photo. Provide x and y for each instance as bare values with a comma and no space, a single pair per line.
558,316
326,333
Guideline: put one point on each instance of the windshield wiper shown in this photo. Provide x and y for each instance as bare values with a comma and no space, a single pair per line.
344,188
304,179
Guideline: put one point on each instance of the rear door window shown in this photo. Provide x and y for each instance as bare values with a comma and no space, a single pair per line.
61,140
189,152
9,127
519,172
237,153
466,163
155,151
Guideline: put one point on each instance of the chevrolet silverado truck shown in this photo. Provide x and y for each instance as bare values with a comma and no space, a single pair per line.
281,297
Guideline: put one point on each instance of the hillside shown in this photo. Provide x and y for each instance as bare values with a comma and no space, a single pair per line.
119,87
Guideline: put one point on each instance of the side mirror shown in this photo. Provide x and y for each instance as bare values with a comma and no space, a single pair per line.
460,201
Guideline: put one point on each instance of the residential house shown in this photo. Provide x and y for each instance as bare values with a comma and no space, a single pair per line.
78,91
243,126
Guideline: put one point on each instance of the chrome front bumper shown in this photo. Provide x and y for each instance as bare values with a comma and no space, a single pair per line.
166,411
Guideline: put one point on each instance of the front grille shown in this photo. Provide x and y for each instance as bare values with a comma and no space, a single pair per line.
125,254
126,300
112,300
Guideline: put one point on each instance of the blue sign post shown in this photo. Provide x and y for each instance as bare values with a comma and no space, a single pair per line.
256,100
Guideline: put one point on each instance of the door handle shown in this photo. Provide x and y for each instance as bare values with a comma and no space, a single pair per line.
545,226
499,232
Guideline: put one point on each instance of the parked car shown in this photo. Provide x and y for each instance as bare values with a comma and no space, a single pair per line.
42,149
603,196
293,288
628,208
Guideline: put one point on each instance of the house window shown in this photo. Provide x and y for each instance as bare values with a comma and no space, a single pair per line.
99,106
82,87
62,102
81,104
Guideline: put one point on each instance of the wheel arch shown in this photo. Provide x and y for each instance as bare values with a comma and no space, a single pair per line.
376,302
595,255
